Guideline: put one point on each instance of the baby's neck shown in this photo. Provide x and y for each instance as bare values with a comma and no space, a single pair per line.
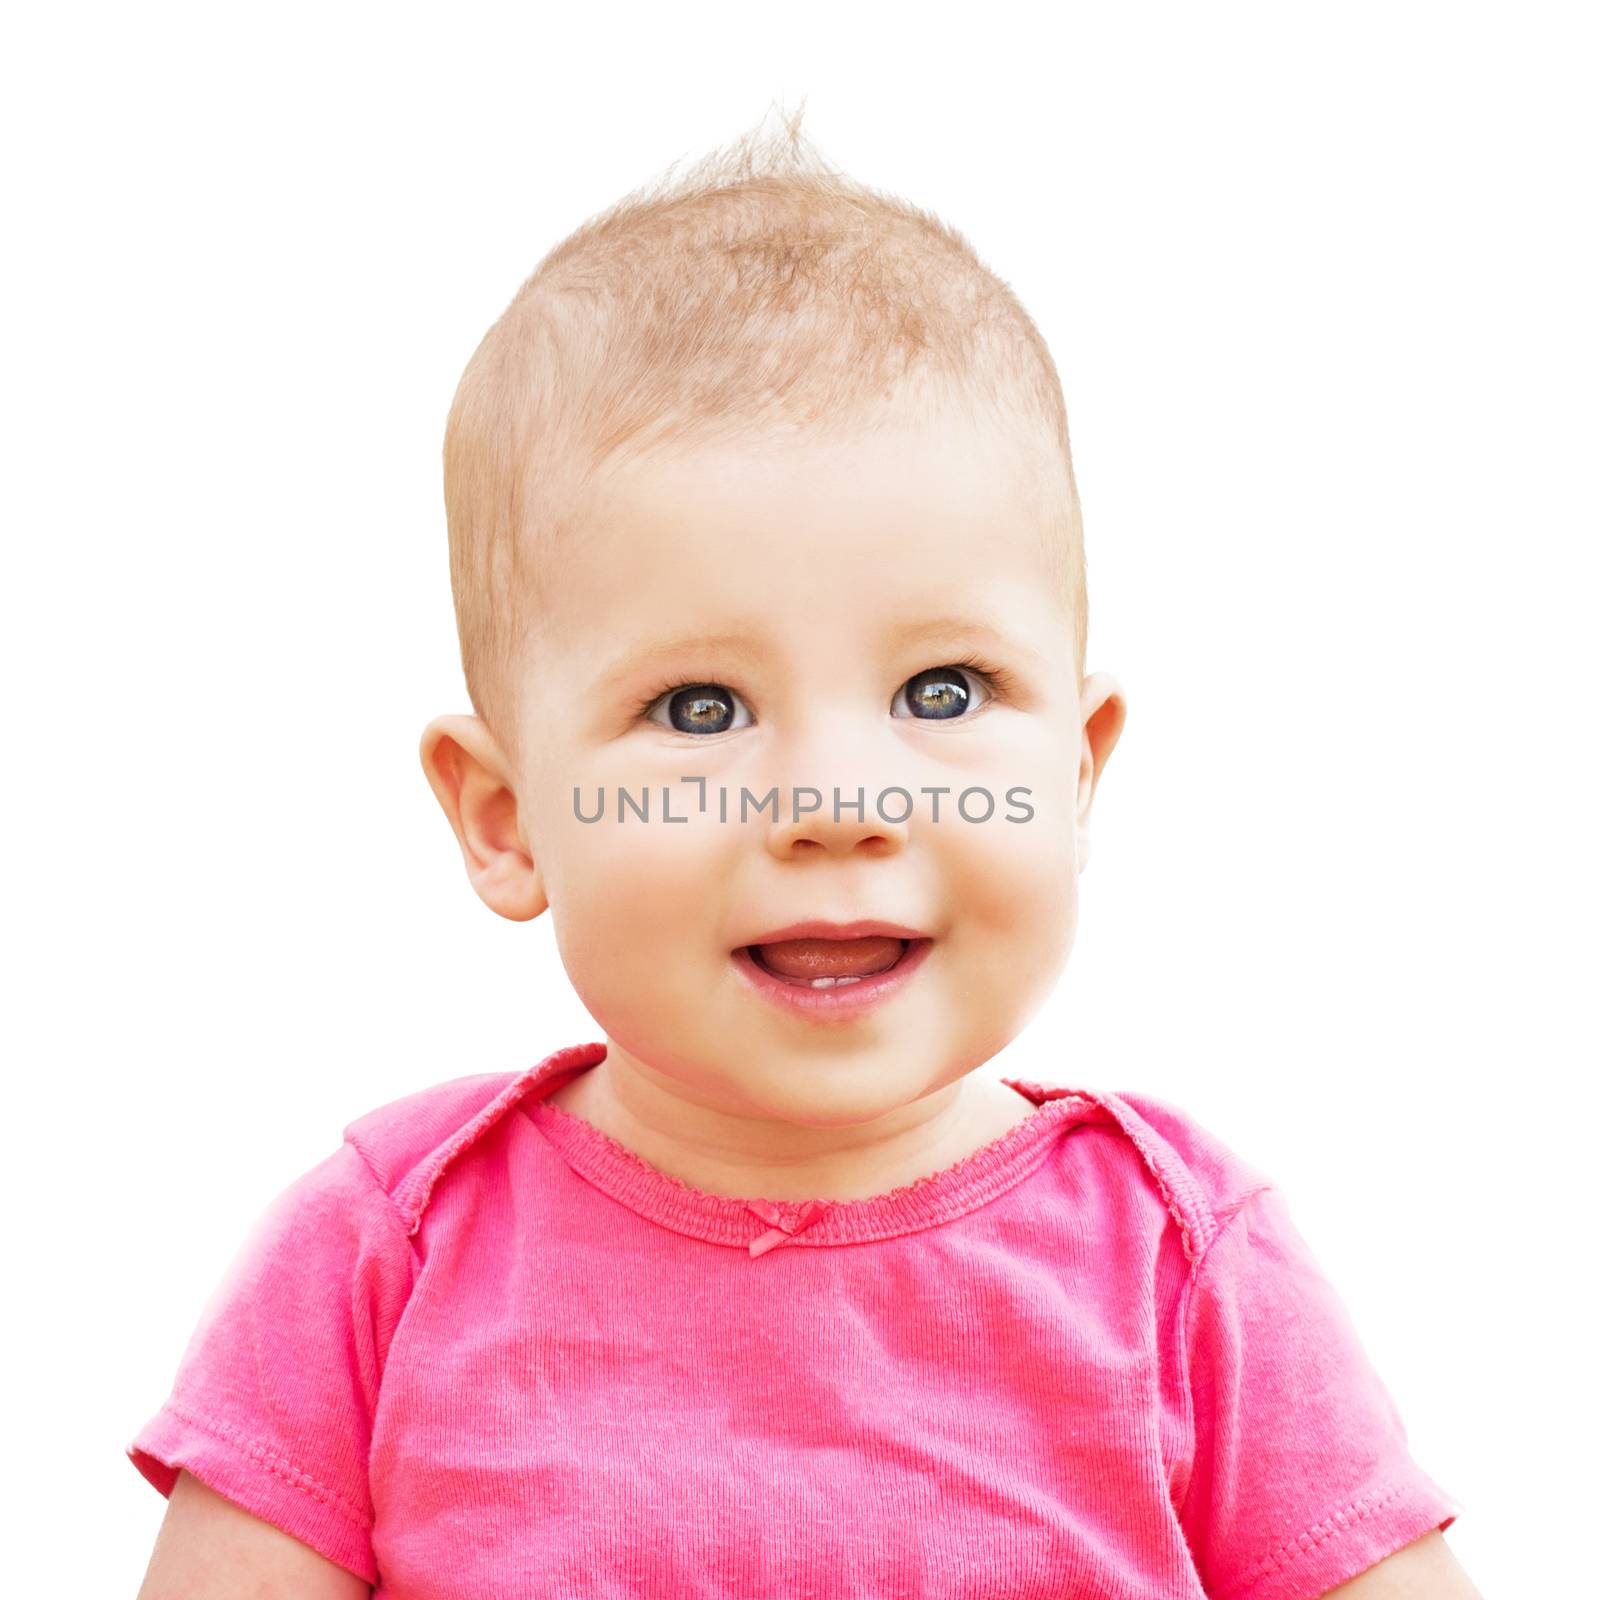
979,1111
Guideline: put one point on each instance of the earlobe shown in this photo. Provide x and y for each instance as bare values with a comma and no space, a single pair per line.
471,780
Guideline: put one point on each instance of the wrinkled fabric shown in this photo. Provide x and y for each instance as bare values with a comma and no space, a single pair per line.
482,1349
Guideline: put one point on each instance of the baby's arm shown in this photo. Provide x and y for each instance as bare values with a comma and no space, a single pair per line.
210,1549
1424,1570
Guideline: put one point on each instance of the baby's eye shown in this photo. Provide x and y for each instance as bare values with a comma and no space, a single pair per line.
699,708
941,693
937,695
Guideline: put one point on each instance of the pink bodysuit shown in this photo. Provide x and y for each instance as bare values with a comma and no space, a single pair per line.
482,1350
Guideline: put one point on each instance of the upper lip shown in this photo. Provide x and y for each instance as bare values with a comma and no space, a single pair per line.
837,930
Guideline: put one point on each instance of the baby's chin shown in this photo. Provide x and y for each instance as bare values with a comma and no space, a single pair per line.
741,1062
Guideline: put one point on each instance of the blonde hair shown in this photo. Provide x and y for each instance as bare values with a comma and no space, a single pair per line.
760,288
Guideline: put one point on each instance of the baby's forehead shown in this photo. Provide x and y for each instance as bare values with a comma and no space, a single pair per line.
630,616
854,535
889,472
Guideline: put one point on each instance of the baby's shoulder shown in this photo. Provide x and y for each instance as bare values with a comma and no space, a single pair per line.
1202,1180
408,1143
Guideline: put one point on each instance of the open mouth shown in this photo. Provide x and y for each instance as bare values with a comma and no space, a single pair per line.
829,963
831,979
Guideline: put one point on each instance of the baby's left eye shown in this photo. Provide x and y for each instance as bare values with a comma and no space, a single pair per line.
940,693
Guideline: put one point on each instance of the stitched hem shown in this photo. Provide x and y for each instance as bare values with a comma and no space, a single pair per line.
1312,1537
260,1480
1347,1541
275,1463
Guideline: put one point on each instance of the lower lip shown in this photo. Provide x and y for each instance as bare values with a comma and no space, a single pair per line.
840,1001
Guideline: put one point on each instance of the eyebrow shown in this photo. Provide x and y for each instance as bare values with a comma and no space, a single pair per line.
744,640
975,630
661,651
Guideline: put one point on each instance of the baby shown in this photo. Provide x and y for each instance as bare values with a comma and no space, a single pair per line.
769,576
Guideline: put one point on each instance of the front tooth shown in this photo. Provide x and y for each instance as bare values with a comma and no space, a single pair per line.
828,983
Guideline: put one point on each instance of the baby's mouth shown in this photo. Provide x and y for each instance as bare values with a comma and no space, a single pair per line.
828,963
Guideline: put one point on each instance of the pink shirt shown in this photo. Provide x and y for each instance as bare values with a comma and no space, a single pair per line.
484,1350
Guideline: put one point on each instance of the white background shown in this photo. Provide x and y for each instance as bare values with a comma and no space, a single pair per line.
1320,285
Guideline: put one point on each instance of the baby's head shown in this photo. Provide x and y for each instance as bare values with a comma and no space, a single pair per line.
762,483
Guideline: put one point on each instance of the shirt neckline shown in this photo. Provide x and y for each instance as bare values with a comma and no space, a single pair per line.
757,1224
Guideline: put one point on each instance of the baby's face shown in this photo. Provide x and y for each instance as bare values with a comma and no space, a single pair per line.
818,599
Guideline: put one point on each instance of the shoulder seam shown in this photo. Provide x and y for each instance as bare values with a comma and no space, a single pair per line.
1238,1205
414,1189
1181,1191
1186,1312
390,1208
407,1144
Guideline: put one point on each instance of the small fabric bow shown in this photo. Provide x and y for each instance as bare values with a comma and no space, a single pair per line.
785,1221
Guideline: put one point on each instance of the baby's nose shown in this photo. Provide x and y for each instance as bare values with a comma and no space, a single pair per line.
840,821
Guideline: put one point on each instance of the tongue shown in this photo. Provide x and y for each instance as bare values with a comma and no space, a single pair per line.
830,958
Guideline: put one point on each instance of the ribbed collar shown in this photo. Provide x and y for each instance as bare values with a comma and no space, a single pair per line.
760,1225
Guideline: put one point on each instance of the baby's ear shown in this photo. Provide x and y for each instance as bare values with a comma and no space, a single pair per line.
1104,713
470,778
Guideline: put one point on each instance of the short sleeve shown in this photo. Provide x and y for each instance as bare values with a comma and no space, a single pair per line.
1302,1476
273,1400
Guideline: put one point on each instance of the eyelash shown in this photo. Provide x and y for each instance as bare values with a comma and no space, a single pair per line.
996,680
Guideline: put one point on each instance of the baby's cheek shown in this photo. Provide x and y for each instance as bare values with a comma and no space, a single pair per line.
635,891
1014,901
1015,865
641,929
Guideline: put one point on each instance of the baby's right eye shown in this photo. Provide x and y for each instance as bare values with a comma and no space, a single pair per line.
698,708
